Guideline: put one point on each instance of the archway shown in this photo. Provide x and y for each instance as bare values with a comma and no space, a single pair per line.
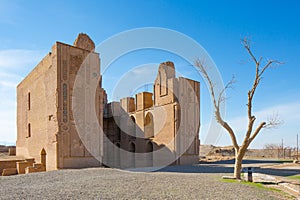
118,135
117,155
149,125
163,87
132,128
43,157
149,150
132,155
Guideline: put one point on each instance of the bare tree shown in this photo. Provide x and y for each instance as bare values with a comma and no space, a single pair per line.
272,146
218,99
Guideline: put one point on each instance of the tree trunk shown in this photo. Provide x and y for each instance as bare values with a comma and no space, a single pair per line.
238,167
239,155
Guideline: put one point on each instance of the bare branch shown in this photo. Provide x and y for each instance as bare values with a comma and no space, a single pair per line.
203,70
260,59
272,146
251,133
246,44
218,100
257,130
269,64
251,92
228,128
258,75
273,121
228,85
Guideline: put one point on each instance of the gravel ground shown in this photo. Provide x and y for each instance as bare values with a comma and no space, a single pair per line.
105,183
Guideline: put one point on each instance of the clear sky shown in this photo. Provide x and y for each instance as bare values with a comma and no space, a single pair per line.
28,29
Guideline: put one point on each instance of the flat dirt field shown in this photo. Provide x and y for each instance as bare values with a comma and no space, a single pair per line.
193,182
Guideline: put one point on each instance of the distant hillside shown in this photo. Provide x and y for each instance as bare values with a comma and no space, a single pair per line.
4,148
207,151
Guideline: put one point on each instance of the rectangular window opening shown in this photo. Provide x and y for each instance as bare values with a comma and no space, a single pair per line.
28,101
29,130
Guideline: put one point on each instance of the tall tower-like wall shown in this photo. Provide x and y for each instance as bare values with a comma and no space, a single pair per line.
37,124
75,148
45,99
189,121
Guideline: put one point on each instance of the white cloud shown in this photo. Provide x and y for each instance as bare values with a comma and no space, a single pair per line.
134,79
14,66
8,84
288,112
19,58
9,75
8,128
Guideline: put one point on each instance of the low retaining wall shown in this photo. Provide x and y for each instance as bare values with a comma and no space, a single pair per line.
4,164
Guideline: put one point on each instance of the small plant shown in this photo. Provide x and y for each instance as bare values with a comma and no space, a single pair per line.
297,177
258,185
242,176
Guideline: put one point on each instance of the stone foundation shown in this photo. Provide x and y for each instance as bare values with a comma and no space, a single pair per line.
9,171
22,165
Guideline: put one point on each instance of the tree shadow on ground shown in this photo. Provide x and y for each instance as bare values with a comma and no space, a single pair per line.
227,166
201,168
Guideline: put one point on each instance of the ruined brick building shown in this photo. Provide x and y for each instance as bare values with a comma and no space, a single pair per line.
148,130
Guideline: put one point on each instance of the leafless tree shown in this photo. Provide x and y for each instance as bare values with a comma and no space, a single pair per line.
219,98
272,146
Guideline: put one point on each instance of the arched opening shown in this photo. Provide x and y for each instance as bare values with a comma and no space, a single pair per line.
163,83
149,125
149,147
132,154
149,150
118,134
132,147
43,157
117,157
132,127
160,82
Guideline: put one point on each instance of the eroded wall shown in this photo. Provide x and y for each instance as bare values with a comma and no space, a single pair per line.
37,123
168,126
45,118
75,148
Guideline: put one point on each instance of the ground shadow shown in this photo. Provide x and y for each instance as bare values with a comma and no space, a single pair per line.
199,168
227,166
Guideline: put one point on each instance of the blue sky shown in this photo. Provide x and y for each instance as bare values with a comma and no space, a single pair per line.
28,29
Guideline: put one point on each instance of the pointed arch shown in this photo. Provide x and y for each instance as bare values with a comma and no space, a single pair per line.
43,156
149,125
117,155
163,81
132,149
132,127
149,147
149,150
